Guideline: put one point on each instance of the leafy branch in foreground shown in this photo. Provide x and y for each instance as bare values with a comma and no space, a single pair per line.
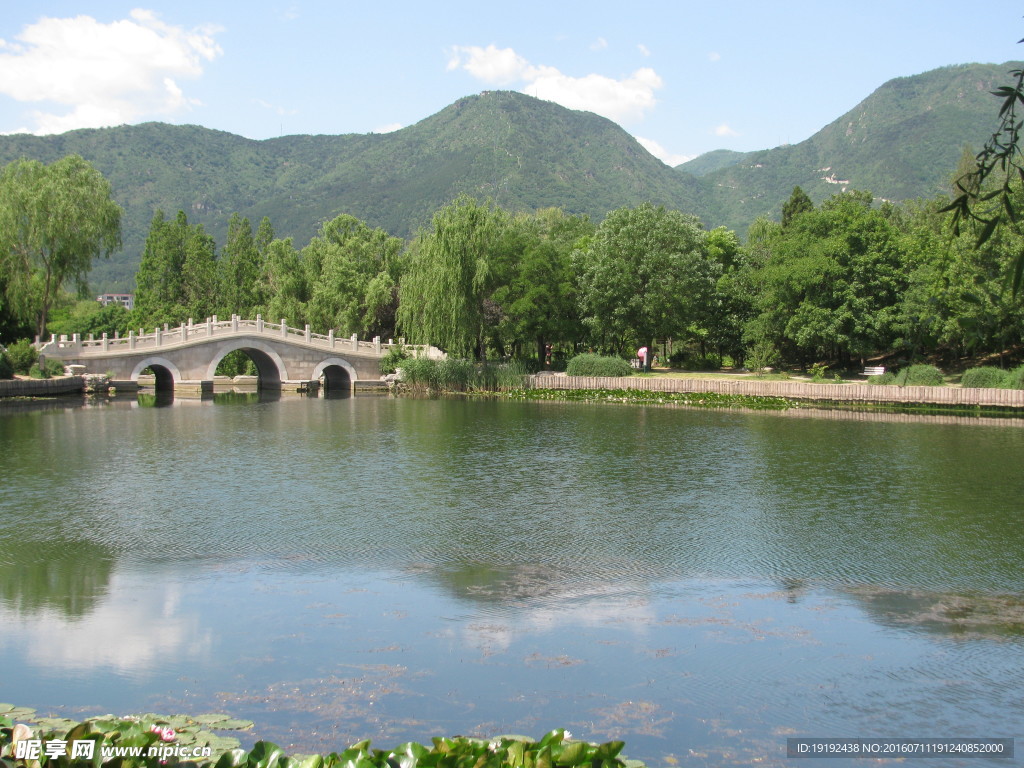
151,741
1002,153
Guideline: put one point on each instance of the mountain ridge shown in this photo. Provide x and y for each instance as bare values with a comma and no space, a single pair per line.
903,140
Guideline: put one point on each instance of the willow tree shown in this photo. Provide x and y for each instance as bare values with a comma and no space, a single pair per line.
54,221
445,293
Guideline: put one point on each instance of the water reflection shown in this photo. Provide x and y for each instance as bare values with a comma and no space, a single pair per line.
397,568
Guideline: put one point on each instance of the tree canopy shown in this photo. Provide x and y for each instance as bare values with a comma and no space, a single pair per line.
54,221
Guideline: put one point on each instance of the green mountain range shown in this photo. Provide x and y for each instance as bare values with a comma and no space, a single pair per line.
902,141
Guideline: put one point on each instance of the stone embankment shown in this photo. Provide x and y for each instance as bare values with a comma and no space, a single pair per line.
863,394
67,385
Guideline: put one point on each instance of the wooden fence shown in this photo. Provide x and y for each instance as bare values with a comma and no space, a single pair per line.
797,390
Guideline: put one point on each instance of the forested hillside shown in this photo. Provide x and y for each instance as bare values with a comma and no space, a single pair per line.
524,154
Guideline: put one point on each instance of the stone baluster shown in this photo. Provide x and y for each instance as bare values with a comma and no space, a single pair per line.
307,332
284,328
355,342
131,339
209,327
376,344
106,342
259,323
157,334
234,323
330,338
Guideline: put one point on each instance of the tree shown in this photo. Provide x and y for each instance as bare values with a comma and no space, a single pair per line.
452,272
240,269
798,203
159,285
974,199
349,269
54,221
642,276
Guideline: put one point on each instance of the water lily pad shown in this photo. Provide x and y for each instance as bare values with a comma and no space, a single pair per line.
18,713
211,719
233,725
56,723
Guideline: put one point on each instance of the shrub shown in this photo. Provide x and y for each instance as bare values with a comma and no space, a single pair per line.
598,365
986,377
706,363
886,378
395,358
920,376
1015,380
454,375
421,372
23,355
6,368
817,371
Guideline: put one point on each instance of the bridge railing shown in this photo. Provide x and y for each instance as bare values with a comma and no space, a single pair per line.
191,332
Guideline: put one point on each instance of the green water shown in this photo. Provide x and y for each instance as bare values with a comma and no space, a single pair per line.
702,584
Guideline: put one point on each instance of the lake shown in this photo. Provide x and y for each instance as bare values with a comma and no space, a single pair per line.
700,583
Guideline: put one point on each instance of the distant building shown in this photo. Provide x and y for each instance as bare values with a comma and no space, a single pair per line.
126,300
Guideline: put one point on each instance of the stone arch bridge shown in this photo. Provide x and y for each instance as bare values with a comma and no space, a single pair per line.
186,357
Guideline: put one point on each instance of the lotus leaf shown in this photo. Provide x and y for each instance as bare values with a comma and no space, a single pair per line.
211,719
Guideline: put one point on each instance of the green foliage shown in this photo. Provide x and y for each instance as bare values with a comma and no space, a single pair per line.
886,378
54,221
236,363
598,365
1016,378
762,355
395,358
644,275
6,366
163,734
48,370
23,355
987,377
88,316
817,371
652,397
920,376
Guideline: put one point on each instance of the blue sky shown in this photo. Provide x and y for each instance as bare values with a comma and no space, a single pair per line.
682,77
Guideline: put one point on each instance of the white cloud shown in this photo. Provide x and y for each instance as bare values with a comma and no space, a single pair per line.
599,45
644,50
724,130
103,74
714,56
624,99
669,158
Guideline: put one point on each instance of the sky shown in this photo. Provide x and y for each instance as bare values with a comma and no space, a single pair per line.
682,77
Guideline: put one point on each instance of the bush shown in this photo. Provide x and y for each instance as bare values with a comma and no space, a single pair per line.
920,376
395,358
698,363
23,355
986,377
1015,379
886,378
598,365
49,369
6,368
421,372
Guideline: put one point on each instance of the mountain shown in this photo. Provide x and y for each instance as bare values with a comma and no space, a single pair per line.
521,152
903,141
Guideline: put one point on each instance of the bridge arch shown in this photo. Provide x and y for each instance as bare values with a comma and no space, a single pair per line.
338,374
165,372
268,362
